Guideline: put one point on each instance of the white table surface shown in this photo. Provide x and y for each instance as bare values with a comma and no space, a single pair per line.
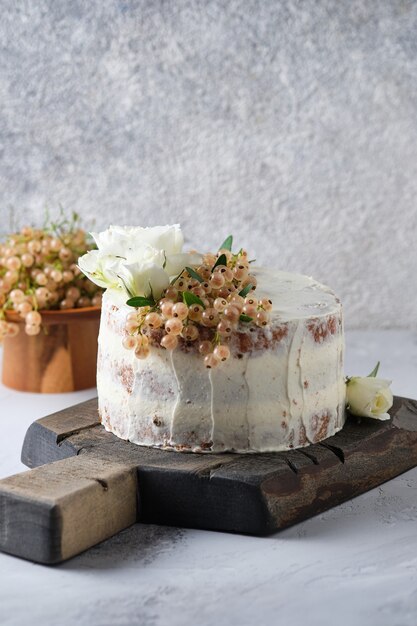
355,564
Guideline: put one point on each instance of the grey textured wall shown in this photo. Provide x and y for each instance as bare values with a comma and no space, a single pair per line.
291,124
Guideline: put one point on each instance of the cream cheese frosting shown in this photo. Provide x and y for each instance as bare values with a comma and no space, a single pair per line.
282,388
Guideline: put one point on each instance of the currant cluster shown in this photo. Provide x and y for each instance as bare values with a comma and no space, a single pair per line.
203,304
38,271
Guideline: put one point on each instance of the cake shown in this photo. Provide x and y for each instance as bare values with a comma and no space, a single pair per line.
281,386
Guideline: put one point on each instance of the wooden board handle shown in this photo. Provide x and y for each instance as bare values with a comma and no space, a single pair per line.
56,511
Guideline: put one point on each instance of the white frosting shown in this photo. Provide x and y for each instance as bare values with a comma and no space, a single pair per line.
285,390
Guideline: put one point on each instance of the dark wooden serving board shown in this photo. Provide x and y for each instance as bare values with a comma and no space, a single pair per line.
89,485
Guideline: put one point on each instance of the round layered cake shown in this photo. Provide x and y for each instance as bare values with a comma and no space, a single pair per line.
282,387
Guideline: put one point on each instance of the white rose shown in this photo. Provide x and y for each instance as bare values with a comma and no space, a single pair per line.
146,276
141,261
369,397
101,269
127,241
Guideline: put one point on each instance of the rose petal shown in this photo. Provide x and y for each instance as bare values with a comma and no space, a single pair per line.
369,397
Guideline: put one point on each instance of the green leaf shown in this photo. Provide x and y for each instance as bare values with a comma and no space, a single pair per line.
222,260
190,298
227,243
244,292
374,371
194,274
139,301
245,318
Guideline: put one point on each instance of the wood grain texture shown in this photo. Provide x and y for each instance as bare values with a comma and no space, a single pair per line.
45,438
256,494
61,358
58,510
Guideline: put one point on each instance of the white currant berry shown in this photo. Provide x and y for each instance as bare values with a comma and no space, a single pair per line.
73,292
67,276
266,304
130,342
181,284
204,271
24,308
97,299
65,254
210,317
131,326
180,310
67,303
34,247
169,342
166,308
190,332
12,276
222,352
55,244
205,347
42,294
220,304
83,302
41,279
198,291
143,340
56,276
153,320
13,263
28,259
262,318
251,300
211,360
216,280
195,312
250,310
171,293
173,326
236,300
225,328
142,352
240,272
231,313
33,317
17,296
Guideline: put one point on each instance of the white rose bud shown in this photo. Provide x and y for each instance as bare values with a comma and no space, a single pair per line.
369,397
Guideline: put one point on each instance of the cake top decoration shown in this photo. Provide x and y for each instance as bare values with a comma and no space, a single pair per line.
138,260
177,296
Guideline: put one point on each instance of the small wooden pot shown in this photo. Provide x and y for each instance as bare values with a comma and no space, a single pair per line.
63,357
